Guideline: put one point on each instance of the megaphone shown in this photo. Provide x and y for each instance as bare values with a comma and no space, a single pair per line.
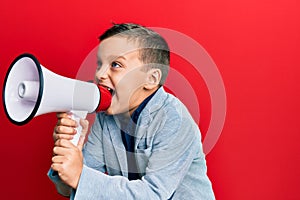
31,90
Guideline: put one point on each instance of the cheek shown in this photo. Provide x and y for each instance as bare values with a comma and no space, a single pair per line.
96,80
125,96
127,88
120,103
128,83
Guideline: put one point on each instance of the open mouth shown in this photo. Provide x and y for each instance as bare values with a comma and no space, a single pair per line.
110,90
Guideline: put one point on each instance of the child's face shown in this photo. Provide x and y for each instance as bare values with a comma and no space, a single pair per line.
120,70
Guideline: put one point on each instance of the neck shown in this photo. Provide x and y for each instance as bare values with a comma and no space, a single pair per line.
145,95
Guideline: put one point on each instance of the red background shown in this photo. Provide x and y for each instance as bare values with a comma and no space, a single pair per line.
255,45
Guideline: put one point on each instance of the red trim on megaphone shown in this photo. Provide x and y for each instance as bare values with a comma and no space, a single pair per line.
105,99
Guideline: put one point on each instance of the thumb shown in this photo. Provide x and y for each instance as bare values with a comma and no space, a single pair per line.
85,126
81,142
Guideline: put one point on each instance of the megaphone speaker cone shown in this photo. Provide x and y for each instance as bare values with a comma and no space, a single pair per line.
24,72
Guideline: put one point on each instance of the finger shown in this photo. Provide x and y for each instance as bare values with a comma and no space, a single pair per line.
63,136
56,167
63,115
58,151
85,126
65,130
65,121
65,125
58,135
65,152
58,159
64,143
81,142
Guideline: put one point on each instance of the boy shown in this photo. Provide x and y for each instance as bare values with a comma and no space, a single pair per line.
146,145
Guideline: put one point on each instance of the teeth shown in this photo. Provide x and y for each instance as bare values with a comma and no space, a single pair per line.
110,90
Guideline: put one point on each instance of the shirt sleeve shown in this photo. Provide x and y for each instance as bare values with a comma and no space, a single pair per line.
172,152
61,187
94,160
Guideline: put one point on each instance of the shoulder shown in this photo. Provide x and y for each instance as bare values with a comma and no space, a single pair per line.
167,105
166,110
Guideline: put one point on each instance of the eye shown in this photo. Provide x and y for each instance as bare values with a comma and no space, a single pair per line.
115,65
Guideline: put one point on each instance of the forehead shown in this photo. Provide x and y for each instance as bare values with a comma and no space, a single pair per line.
116,46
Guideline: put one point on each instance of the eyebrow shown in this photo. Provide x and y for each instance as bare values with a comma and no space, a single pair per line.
113,57
110,58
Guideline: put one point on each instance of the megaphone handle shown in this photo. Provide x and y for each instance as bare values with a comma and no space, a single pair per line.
77,115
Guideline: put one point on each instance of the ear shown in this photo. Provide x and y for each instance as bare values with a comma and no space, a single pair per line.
153,78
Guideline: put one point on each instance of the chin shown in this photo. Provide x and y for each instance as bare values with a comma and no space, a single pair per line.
113,111
109,111
116,111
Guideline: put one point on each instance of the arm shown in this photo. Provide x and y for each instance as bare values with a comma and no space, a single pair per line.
67,159
172,152
95,159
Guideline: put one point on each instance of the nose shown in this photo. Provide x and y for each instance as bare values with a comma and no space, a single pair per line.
102,73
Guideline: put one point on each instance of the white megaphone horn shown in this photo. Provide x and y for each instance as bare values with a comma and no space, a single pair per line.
31,90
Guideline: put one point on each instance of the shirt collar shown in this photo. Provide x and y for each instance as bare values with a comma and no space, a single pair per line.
135,115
